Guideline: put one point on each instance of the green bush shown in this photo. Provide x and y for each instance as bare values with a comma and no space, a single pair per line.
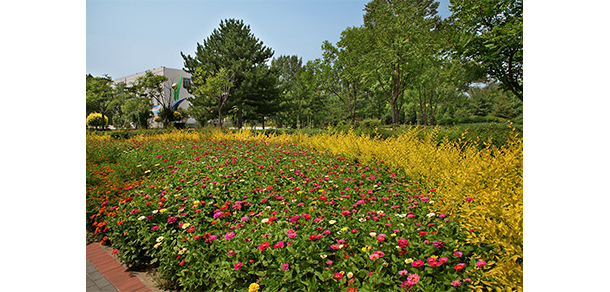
371,123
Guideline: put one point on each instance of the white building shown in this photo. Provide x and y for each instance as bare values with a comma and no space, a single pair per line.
173,76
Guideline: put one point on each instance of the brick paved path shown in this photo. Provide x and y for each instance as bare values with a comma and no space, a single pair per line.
105,273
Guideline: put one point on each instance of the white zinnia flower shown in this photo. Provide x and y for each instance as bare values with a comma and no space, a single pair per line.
159,238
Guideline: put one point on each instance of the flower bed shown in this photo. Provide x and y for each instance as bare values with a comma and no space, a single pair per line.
238,215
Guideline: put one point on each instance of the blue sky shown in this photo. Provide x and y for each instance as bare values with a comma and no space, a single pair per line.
130,36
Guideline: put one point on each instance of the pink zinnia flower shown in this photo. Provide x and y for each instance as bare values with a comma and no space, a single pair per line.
481,263
468,199
313,237
279,244
285,267
337,276
238,266
456,283
403,273
406,284
417,263
403,243
413,279
374,257
155,227
229,235
457,254
329,262
263,246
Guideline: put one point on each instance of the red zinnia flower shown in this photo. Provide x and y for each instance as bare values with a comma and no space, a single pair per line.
459,267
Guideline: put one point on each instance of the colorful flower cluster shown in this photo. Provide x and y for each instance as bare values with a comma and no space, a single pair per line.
221,214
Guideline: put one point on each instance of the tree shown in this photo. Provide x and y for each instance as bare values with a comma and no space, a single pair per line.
343,73
314,106
210,95
152,87
99,95
398,36
137,111
291,102
232,46
490,32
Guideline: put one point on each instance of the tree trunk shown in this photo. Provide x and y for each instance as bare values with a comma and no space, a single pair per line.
240,121
219,117
394,116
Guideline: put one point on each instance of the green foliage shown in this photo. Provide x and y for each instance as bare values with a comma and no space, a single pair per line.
147,88
233,47
490,32
137,111
100,95
399,37
97,120
211,92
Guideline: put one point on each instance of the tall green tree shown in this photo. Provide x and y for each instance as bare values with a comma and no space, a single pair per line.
153,87
315,107
233,46
290,89
99,94
398,36
210,95
490,32
343,72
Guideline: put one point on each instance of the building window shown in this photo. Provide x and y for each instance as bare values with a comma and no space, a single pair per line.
186,82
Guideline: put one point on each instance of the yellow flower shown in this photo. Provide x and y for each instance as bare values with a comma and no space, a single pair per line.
162,210
185,225
253,287
344,229
408,261
393,234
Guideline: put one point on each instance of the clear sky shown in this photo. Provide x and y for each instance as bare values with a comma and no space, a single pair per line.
130,36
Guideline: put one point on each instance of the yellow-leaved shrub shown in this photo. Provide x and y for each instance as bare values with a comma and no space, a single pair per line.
492,177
